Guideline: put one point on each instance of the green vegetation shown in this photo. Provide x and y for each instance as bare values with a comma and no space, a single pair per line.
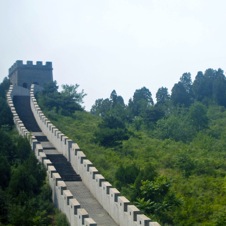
168,158
25,196
65,102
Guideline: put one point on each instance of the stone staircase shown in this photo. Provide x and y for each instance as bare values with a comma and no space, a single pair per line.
63,167
23,108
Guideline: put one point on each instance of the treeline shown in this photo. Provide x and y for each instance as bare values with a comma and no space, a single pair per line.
65,102
25,196
167,157
178,116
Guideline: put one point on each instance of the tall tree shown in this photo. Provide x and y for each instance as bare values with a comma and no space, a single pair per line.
203,85
198,116
111,131
4,172
110,106
142,99
6,117
219,88
113,96
117,101
186,81
66,102
101,107
182,91
4,86
71,92
210,87
198,87
180,96
162,95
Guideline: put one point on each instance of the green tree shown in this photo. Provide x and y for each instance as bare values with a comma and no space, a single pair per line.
116,100
6,117
22,183
49,98
180,96
148,172
175,127
5,171
101,107
126,175
142,99
23,149
185,164
219,88
203,85
199,89
4,87
71,99
153,114
8,148
162,95
114,97
3,207
113,106
111,131
186,81
118,107
50,88
157,198
71,92
27,179
198,116
66,102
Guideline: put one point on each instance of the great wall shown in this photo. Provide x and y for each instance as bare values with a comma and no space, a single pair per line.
78,189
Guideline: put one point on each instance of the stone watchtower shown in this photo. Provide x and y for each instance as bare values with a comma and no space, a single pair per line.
26,74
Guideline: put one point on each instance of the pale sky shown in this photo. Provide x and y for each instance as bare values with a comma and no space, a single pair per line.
104,45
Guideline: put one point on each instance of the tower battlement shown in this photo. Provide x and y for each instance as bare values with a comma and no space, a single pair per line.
29,65
25,74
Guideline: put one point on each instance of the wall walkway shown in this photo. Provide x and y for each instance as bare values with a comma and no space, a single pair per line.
87,198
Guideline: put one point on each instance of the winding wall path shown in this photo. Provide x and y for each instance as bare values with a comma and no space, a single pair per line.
78,189
63,167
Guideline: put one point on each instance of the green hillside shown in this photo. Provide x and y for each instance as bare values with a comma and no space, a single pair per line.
167,157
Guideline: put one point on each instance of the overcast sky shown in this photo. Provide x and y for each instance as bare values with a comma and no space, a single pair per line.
115,44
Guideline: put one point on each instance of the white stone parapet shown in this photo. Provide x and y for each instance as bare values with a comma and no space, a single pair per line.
118,207
62,198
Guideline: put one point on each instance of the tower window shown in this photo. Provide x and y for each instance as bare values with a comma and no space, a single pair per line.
25,85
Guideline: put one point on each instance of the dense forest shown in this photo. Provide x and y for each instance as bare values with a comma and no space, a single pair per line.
25,196
167,157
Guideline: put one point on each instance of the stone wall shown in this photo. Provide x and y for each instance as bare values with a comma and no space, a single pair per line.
26,74
118,207
18,123
62,197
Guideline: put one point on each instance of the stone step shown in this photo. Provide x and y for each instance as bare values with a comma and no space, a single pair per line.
22,106
41,138
63,167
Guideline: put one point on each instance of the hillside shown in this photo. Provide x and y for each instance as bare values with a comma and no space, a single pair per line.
169,157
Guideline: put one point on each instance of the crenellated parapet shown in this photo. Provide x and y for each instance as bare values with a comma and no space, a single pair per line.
30,65
26,74
118,207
